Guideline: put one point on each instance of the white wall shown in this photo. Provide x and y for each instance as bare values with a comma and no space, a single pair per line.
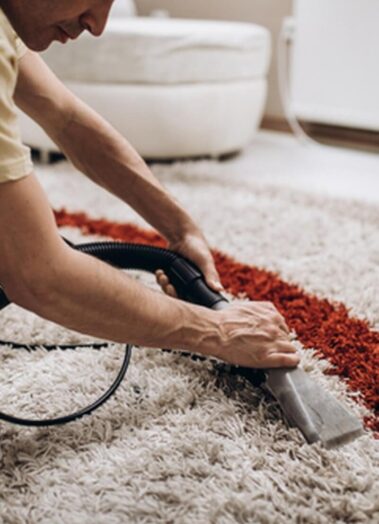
346,91
268,13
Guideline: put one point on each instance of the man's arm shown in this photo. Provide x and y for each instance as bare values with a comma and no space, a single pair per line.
40,272
97,149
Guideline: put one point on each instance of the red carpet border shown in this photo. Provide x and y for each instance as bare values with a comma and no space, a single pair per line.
348,343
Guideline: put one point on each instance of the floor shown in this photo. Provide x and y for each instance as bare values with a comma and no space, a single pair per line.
280,158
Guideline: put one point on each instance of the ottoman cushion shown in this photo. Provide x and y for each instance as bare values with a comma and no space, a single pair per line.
164,51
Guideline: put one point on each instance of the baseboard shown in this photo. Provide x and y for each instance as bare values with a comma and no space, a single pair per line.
330,134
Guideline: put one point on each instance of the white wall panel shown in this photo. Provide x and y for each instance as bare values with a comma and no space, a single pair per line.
335,62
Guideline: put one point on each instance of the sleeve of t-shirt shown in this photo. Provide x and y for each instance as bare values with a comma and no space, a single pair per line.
15,158
20,47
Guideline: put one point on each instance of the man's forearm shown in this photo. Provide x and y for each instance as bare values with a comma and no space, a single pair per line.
40,272
96,148
106,157
84,294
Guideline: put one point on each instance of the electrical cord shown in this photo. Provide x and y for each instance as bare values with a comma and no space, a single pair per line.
77,414
284,91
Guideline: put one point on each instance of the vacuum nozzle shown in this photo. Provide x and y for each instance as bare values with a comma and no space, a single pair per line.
318,415
306,405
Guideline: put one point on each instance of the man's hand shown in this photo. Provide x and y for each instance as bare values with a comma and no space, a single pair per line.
194,247
253,334
256,335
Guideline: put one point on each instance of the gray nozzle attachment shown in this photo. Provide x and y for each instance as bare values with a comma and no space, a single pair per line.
313,410
291,388
306,405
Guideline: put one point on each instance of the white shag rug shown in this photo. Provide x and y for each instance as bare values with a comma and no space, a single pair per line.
180,443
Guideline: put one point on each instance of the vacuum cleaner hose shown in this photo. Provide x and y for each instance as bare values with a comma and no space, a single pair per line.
314,411
185,277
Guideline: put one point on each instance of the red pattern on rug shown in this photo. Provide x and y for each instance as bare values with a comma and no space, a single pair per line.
348,343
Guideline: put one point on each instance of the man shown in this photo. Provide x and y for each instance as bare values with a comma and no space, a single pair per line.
41,273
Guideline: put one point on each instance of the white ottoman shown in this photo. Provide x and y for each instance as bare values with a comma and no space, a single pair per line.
174,88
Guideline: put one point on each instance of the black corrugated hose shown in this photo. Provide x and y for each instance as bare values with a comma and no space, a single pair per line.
183,274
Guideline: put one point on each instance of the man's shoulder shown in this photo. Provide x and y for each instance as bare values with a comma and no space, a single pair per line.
7,46
11,47
15,159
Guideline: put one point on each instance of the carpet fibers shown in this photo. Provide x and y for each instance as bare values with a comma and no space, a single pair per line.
183,442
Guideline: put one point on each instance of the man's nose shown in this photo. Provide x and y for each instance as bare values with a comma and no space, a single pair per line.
94,20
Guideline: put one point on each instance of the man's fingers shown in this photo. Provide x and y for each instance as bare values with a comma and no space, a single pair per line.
164,283
283,326
278,318
212,280
282,360
171,291
162,278
284,347
212,277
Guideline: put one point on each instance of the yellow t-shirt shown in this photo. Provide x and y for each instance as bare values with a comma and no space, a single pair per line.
15,158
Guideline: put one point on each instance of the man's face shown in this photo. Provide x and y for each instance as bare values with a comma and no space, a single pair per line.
40,22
